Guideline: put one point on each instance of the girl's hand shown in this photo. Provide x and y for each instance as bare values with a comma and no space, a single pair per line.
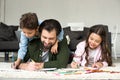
74,65
97,65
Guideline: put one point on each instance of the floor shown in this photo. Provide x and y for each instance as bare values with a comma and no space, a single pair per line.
116,60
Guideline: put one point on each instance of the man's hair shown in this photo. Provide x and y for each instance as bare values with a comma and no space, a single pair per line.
29,21
49,25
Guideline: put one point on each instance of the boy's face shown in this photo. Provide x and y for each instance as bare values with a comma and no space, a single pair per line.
48,38
94,40
29,33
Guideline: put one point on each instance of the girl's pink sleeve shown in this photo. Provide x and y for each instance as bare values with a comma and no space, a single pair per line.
79,52
105,64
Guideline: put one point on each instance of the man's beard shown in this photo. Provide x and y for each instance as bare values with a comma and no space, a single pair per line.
47,47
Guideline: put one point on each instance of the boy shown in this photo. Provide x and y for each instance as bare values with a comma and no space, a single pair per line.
29,25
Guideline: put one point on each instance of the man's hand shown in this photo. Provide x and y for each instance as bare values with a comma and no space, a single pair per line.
31,66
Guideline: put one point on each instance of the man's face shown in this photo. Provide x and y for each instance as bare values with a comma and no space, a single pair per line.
48,38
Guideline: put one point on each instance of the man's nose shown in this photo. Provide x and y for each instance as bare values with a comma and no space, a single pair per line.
47,41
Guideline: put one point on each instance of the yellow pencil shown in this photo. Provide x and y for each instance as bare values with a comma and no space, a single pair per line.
32,61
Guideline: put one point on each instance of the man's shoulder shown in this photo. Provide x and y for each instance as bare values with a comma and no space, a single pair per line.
36,40
34,44
63,42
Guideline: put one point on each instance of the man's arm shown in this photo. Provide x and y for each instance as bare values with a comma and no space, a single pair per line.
31,66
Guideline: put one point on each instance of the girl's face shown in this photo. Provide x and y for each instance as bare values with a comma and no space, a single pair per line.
94,40
29,33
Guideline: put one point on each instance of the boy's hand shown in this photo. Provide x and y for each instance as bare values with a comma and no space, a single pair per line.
54,48
16,64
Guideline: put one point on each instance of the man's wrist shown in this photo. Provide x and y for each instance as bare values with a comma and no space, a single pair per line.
41,65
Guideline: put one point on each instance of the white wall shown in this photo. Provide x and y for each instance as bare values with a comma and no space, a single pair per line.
2,10
88,11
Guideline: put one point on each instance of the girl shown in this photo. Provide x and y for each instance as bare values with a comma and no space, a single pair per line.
94,50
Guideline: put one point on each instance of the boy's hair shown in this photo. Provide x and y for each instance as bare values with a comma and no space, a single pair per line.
29,21
49,25
105,50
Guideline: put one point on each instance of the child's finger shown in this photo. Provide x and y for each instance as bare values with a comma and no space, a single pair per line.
13,65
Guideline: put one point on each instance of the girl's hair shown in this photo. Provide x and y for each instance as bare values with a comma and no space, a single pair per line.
29,21
105,50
